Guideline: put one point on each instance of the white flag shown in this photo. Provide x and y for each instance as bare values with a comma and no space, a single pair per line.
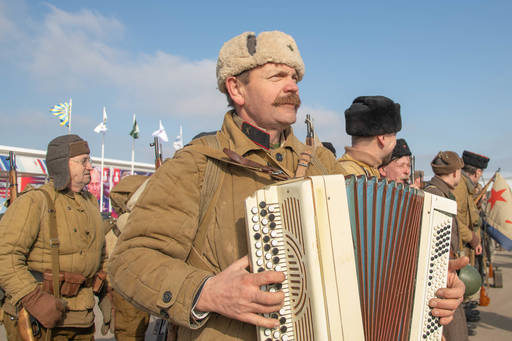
102,127
160,133
178,143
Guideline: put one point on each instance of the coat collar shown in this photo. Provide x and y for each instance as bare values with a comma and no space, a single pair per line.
469,183
245,137
442,186
363,157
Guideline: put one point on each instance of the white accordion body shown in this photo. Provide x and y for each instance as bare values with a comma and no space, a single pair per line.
336,287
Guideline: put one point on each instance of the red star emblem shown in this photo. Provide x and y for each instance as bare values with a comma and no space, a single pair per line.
496,196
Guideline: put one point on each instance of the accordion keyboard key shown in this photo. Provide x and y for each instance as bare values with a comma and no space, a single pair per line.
436,276
269,253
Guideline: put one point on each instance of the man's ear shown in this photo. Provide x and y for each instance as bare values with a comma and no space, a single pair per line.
380,140
235,90
382,171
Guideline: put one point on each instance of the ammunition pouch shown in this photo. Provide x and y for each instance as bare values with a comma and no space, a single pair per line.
69,282
98,281
46,283
72,284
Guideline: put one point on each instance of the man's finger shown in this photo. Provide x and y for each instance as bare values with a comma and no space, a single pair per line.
456,292
269,298
268,277
457,264
444,305
265,309
445,320
442,312
259,320
241,263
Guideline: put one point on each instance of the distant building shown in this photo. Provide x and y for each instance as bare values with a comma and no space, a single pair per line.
31,167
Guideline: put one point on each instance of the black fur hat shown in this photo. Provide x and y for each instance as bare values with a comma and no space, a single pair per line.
475,160
329,146
401,149
372,116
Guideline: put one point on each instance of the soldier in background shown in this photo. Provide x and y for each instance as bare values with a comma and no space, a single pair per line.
447,169
130,323
373,122
468,216
27,263
398,168
329,146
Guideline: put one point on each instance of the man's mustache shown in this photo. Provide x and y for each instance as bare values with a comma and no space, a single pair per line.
292,98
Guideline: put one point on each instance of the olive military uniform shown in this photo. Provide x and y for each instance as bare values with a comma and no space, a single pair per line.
457,330
357,162
130,323
468,217
25,248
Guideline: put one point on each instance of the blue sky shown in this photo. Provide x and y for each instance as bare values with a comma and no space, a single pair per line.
447,63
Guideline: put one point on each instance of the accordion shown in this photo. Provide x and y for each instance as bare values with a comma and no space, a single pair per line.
361,257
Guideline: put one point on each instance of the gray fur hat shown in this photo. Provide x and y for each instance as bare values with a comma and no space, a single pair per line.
247,51
58,153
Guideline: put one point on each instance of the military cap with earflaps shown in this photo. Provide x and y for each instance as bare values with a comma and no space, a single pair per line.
372,116
59,151
475,160
247,51
446,162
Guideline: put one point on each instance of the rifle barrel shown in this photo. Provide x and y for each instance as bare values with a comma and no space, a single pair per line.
13,178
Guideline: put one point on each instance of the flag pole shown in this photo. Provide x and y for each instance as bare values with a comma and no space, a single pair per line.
133,154
110,176
482,192
102,159
133,148
70,105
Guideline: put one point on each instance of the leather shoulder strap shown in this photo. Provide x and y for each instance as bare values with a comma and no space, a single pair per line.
210,191
54,242
213,177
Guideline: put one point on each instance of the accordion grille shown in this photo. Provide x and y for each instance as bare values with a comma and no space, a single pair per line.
386,222
297,278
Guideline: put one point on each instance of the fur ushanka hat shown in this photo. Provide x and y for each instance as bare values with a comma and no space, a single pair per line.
475,160
247,51
401,149
372,116
59,151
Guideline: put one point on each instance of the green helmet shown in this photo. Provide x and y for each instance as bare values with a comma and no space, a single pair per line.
471,279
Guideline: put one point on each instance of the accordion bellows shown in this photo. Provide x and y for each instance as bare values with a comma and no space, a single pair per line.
362,257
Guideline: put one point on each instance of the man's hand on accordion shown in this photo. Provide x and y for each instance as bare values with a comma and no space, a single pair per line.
236,293
451,297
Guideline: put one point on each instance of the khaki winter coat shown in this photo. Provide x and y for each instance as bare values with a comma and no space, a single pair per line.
149,265
355,162
468,217
24,246
437,186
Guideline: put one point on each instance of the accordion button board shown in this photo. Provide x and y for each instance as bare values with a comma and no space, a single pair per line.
432,263
267,239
